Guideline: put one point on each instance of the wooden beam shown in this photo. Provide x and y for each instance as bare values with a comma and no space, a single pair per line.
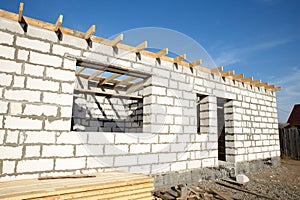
262,84
125,81
195,63
276,89
112,77
97,73
254,83
216,70
135,84
229,73
58,22
117,40
270,87
20,16
162,53
78,71
179,58
140,47
90,32
246,80
236,77
108,93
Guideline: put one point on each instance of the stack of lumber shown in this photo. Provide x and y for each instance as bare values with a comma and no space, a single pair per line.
110,185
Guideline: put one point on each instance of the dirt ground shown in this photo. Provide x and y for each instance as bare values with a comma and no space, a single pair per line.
281,182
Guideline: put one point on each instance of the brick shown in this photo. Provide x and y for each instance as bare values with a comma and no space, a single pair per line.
177,166
10,66
174,110
42,33
7,52
61,50
69,64
139,148
74,41
158,90
33,44
66,111
6,38
89,150
72,138
44,59
32,151
40,110
125,160
125,138
67,87
23,123
12,137
42,137
6,24
35,165
2,133
5,79
116,149
58,125
102,138
61,99
7,152
148,159
165,100
57,151
1,126
3,107
167,157
8,167
26,95
34,70
39,84
97,162
19,82
58,74
69,163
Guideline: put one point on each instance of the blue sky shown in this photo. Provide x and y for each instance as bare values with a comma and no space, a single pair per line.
259,38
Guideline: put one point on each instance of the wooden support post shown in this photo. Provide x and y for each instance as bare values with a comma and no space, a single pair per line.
20,16
78,71
140,47
97,73
162,53
229,73
90,32
117,40
195,63
216,70
58,22
246,80
236,77
179,58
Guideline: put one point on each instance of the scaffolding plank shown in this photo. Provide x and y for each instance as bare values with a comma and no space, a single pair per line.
109,93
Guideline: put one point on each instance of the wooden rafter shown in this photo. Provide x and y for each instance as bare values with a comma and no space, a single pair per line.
262,84
179,58
236,77
106,80
125,81
246,80
229,73
270,87
117,40
108,93
90,32
276,89
20,16
195,63
140,47
58,22
216,70
94,75
254,83
162,53
78,71
135,84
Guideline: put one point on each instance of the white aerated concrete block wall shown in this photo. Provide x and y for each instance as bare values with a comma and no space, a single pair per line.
37,82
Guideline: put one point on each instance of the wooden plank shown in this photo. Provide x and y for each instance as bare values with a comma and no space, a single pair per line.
246,80
20,16
94,75
216,70
221,194
125,81
109,94
117,40
162,53
112,77
78,71
179,58
68,176
229,73
195,63
140,47
236,77
90,32
58,23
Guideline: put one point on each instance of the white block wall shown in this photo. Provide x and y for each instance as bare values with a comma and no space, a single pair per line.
36,90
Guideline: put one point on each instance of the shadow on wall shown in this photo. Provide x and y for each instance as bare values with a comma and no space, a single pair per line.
95,113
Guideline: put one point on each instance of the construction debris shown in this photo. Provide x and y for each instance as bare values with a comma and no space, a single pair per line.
241,178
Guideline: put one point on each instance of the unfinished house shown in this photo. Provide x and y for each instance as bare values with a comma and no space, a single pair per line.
75,103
